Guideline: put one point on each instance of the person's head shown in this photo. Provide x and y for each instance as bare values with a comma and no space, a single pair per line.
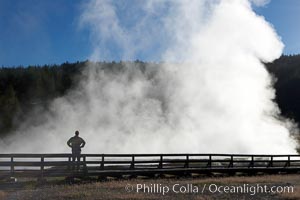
76,133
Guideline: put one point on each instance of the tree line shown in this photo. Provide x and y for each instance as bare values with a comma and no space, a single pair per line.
23,89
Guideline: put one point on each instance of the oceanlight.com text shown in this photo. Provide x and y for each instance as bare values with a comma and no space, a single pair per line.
251,189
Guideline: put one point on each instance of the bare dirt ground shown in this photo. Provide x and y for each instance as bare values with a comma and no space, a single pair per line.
235,187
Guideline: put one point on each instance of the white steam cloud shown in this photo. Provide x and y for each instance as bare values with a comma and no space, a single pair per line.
260,2
213,95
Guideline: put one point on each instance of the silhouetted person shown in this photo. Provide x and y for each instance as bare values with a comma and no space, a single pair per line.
76,143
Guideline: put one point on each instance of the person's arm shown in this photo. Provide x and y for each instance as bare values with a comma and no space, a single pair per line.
82,143
69,142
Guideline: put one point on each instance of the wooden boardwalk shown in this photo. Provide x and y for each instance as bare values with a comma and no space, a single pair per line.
118,165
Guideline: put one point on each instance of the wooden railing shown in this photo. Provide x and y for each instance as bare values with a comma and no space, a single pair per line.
46,165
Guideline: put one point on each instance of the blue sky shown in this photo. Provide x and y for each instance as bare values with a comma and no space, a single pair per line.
47,32
285,17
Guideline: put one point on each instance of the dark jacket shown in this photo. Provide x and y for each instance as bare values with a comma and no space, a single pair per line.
76,143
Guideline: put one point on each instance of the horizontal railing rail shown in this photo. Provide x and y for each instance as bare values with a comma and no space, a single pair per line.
62,164
24,155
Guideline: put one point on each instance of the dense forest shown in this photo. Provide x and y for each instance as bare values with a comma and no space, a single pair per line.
286,71
24,89
27,91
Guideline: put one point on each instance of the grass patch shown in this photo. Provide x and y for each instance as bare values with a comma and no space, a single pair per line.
2,195
115,189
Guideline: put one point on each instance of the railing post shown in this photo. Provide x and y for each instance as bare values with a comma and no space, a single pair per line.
231,161
42,166
288,164
84,164
160,166
69,163
102,162
271,162
187,161
252,162
12,167
132,162
209,161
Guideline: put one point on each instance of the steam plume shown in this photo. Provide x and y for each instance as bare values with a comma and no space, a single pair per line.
213,95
